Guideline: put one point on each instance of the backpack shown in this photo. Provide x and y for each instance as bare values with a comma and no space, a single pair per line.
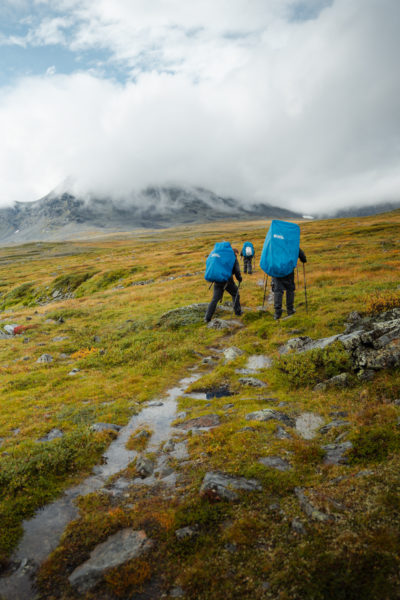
219,263
248,249
281,249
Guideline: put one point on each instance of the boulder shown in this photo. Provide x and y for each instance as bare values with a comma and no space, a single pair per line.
45,358
144,466
223,324
199,422
114,552
335,453
219,486
232,353
252,381
52,435
97,427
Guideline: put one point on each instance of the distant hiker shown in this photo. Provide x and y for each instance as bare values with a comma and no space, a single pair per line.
248,254
285,284
221,265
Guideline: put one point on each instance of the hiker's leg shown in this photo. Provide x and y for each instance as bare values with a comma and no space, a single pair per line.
245,265
250,266
234,292
290,301
217,295
278,289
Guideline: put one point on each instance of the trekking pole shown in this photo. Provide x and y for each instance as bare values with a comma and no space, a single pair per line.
236,297
265,289
305,286
298,281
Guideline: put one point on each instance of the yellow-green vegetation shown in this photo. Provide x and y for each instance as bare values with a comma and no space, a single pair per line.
112,328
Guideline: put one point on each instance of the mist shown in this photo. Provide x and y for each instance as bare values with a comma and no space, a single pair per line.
302,113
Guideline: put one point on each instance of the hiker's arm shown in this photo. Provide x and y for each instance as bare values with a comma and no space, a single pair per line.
236,271
302,256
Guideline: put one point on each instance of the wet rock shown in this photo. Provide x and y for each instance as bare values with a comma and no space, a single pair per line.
144,466
186,533
232,353
52,435
199,422
115,551
252,381
275,462
332,425
311,511
335,453
156,403
298,527
74,372
217,486
218,392
268,414
307,425
98,427
45,358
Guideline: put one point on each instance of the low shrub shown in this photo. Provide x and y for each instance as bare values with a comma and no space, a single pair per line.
382,301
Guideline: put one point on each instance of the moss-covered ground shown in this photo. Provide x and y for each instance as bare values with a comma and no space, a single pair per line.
77,303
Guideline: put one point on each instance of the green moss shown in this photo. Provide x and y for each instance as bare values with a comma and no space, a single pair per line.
374,444
23,294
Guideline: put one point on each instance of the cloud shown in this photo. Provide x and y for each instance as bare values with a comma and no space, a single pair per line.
293,103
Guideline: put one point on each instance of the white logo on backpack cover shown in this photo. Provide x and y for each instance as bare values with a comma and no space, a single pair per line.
276,235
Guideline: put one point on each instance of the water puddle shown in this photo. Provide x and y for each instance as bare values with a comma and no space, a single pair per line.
42,533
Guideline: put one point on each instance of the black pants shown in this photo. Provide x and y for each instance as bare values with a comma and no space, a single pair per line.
279,286
219,289
247,264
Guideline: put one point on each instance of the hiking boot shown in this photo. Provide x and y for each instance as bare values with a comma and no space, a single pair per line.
239,314
206,320
291,312
277,316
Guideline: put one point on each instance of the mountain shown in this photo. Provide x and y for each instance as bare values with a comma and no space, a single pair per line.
64,216
361,211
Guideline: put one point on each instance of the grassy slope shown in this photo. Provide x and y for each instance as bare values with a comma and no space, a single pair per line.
355,555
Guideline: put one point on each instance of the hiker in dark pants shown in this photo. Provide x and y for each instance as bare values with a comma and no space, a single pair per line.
230,287
247,258
285,284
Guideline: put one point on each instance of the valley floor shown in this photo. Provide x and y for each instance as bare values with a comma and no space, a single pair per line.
244,472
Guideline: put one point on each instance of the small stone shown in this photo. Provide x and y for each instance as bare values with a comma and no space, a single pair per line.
52,435
268,414
155,403
45,358
187,532
282,434
334,453
74,372
252,381
97,339
275,462
231,354
176,592
219,486
98,427
307,425
144,467
205,421
332,425
298,527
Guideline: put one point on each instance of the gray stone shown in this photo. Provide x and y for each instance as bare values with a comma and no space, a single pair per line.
60,338
282,434
97,427
298,527
176,592
334,453
310,510
115,551
144,466
228,406
45,358
248,428
268,414
332,425
340,381
256,362
63,356
252,381
275,462
232,353
307,425
74,372
52,435
217,485
97,339
156,403
9,329
222,324
366,375
186,533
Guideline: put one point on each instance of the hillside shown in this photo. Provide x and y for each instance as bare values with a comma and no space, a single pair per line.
177,460
64,216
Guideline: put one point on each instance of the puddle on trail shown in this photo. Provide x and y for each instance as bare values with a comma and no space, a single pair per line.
42,533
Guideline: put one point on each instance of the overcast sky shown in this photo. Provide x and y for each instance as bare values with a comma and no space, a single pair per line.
291,102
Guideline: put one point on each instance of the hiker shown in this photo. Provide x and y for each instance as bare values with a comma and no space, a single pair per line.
228,284
285,284
248,254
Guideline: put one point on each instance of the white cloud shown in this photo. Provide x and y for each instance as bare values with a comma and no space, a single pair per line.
228,95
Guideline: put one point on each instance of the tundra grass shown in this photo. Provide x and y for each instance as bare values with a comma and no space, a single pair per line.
110,331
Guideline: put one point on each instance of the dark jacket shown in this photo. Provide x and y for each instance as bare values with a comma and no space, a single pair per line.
236,271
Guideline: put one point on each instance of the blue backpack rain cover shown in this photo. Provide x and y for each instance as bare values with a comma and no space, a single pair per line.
219,263
281,249
247,245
